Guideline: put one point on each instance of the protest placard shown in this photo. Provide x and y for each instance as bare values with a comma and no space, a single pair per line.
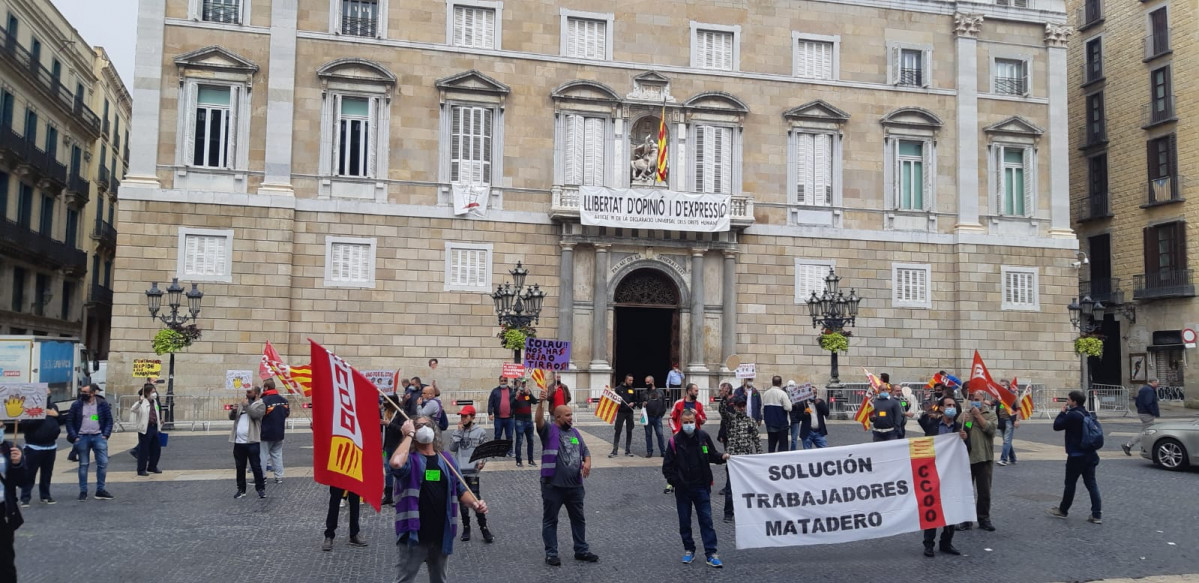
384,380
547,354
747,370
23,401
513,370
146,367
804,392
239,380
849,493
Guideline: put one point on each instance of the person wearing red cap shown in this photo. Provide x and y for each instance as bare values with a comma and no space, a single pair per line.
463,442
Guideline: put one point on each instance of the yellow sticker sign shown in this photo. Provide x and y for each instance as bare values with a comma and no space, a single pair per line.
145,367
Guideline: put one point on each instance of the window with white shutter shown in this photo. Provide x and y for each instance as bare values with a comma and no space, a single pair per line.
714,49
910,285
349,262
813,168
814,59
468,267
586,38
471,131
584,155
205,255
713,159
809,277
1020,288
474,26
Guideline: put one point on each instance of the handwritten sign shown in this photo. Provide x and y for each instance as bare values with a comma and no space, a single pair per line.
747,370
384,380
513,370
23,401
547,354
804,392
239,380
146,367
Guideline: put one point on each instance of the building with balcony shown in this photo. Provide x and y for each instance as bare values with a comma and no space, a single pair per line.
50,85
1128,192
365,172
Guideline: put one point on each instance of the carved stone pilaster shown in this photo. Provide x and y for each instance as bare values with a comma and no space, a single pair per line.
967,25
1057,35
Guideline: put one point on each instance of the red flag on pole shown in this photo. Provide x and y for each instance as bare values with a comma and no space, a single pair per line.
980,380
345,428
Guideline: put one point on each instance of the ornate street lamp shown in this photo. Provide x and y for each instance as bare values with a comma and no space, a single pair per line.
833,311
517,306
174,319
1087,317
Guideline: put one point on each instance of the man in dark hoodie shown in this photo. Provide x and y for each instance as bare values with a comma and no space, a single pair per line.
274,423
687,467
12,473
41,441
655,401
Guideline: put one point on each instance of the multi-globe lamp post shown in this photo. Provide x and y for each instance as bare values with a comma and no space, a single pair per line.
174,319
517,306
1087,318
832,311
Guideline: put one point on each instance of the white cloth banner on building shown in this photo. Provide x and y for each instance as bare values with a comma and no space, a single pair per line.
654,208
470,198
849,493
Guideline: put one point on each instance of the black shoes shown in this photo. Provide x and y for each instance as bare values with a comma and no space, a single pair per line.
487,536
965,526
387,500
103,495
465,534
553,561
588,557
262,493
327,545
987,526
728,517
357,541
947,549
143,473
928,552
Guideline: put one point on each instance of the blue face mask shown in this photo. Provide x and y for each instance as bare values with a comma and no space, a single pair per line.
884,395
688,428
977,404
951,412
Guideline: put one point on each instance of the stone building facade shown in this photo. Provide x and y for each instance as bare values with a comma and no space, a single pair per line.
64,135
920,149
1128,183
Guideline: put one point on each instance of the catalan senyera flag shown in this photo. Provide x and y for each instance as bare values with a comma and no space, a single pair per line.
538,377
1024,405
302,375
980,380
944,379
608,404
345,428
662,157
867,407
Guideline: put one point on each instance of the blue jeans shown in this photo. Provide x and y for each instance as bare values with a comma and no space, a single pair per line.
1082,465
685,497
795,436
1009,453
553,499
654,427
524,432
98,444
504,426
814,440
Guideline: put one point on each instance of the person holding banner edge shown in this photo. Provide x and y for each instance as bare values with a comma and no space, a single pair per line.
687,467
940,420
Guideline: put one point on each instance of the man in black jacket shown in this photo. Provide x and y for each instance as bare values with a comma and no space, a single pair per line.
1080,461
654,401
812,430
501,404
939,419
274,425
624,416
686,466
41,443
12,473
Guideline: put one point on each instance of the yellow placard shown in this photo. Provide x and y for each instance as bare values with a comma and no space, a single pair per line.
146,367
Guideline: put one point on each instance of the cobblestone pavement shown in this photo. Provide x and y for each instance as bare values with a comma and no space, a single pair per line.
185,525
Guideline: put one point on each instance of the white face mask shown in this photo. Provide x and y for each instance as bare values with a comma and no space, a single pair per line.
153,396
425,435
689,428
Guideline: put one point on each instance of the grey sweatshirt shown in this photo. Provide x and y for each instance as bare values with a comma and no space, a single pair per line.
463,443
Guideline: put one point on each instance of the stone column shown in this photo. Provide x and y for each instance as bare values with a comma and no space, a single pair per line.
599,309
728,315
697,311
280,100
1056,38
566,300
147,81
966,27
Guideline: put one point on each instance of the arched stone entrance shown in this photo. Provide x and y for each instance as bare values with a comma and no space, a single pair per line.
645,328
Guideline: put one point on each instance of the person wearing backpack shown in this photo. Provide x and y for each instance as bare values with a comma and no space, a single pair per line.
1084,438
430,406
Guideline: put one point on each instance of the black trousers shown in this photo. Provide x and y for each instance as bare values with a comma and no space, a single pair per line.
37,461
930,535
624,418
8,555
148,449
777,441
473,483
335,495
243,452
981,472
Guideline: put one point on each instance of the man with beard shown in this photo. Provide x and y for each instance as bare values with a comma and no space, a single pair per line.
565,462
89,427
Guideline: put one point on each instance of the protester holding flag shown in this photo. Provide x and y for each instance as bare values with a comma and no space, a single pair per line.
463,442
274,423
981,422
565,463
887,417
245,437
426,513
1009,420
335,497
938,421
687,467
624,416
742,439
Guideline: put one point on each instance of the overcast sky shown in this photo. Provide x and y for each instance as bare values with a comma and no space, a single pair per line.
111,24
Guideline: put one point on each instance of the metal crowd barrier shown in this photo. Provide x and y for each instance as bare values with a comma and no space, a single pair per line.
843,402
1110,399
1048,402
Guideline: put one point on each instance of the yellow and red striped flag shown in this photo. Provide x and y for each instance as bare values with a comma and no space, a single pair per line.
538,377
272,365
867,407
662,158
302,375
1024,405
608,404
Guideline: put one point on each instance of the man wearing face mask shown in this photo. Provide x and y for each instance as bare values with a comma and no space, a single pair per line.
463,442
687,467
888,417
689,402
427,511
980,423
624,416
146,415
940,419
89,427
245,437
654,402
565,462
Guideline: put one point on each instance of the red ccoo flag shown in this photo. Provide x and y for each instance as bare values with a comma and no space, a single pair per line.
980,380
345,435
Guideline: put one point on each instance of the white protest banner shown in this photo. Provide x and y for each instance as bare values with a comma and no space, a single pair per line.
23,401
383,379
849,493
747,370
654,208
804,392
239,380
